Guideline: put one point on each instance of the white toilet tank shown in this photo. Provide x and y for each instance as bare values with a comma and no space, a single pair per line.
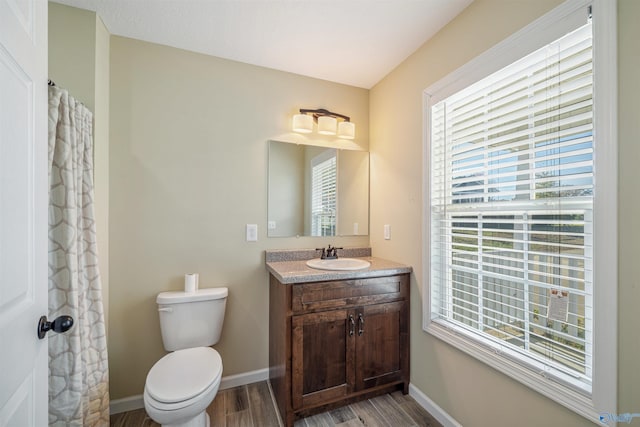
192,319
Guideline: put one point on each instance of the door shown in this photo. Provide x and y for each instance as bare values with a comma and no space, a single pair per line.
322,353
382,343
23,212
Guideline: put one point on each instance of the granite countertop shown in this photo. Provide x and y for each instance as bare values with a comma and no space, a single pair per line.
291,267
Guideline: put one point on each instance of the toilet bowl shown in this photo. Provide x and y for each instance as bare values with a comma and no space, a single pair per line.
181,385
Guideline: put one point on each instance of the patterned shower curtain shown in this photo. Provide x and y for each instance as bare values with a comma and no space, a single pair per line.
78,370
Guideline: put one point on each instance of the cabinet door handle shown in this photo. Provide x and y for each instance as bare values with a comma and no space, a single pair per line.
360,324
352,325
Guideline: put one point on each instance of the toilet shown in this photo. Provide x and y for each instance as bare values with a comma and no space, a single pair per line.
181,385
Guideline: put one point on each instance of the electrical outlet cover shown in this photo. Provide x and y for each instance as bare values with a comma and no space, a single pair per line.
252,232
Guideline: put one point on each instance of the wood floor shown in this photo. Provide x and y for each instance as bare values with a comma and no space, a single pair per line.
252,406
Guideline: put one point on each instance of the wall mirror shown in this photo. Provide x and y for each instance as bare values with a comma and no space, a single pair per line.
317,191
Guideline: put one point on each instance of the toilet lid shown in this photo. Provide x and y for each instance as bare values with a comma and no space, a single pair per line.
183,374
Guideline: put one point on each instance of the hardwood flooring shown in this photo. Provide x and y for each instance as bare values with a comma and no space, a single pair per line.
252,406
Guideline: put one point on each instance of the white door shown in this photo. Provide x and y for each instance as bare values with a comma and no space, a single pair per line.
23,212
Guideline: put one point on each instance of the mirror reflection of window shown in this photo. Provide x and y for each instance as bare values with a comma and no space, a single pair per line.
334,203
324,194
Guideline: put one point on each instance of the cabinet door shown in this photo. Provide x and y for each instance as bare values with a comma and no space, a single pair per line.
382,344
322,356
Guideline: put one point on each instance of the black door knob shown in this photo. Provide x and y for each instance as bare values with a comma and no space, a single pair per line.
59,325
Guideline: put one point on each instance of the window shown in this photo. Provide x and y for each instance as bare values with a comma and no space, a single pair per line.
323,194
514,218
512,202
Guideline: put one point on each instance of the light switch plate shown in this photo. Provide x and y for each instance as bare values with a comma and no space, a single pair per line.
252,232
387,232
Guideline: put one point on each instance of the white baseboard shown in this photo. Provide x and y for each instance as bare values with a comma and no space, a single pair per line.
132,403
245,378
125,404
432,407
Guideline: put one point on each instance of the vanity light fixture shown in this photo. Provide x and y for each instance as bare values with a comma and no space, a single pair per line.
327,123
302,123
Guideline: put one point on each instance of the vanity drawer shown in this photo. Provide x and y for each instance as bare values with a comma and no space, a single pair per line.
347,293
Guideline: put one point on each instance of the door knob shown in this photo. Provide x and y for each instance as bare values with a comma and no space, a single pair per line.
59,325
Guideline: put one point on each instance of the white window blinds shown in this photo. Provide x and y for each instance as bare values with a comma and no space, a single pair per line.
511,208
323,195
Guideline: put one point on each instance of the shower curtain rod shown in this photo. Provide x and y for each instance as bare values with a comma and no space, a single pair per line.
53,84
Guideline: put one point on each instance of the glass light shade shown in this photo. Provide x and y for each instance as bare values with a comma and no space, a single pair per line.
302,123
346,130
327,125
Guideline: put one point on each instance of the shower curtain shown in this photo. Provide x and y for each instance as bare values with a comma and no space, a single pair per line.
78,370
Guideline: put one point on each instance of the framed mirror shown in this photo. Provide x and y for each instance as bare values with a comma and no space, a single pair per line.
317,191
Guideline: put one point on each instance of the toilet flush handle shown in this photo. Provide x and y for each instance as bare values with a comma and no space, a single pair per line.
167,309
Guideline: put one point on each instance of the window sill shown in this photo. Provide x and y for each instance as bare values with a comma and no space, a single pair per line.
537,381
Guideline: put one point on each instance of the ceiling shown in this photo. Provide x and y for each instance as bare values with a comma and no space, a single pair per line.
355,42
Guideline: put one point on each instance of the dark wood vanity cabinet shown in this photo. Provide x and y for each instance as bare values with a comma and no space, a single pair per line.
335,342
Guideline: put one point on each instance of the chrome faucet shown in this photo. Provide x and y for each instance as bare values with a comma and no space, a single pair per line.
329,252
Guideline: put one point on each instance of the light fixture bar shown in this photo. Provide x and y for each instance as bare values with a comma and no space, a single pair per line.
322,112
327,123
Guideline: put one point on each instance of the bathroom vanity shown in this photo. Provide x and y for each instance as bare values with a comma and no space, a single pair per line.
335,336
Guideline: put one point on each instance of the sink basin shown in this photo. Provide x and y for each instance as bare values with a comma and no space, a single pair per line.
338,264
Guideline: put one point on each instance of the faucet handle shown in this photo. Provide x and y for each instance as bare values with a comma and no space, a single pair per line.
324,253
332,252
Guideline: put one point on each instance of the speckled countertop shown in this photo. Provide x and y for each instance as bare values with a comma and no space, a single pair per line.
289,266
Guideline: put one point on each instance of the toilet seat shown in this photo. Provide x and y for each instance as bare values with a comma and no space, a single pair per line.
179,378
185,404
